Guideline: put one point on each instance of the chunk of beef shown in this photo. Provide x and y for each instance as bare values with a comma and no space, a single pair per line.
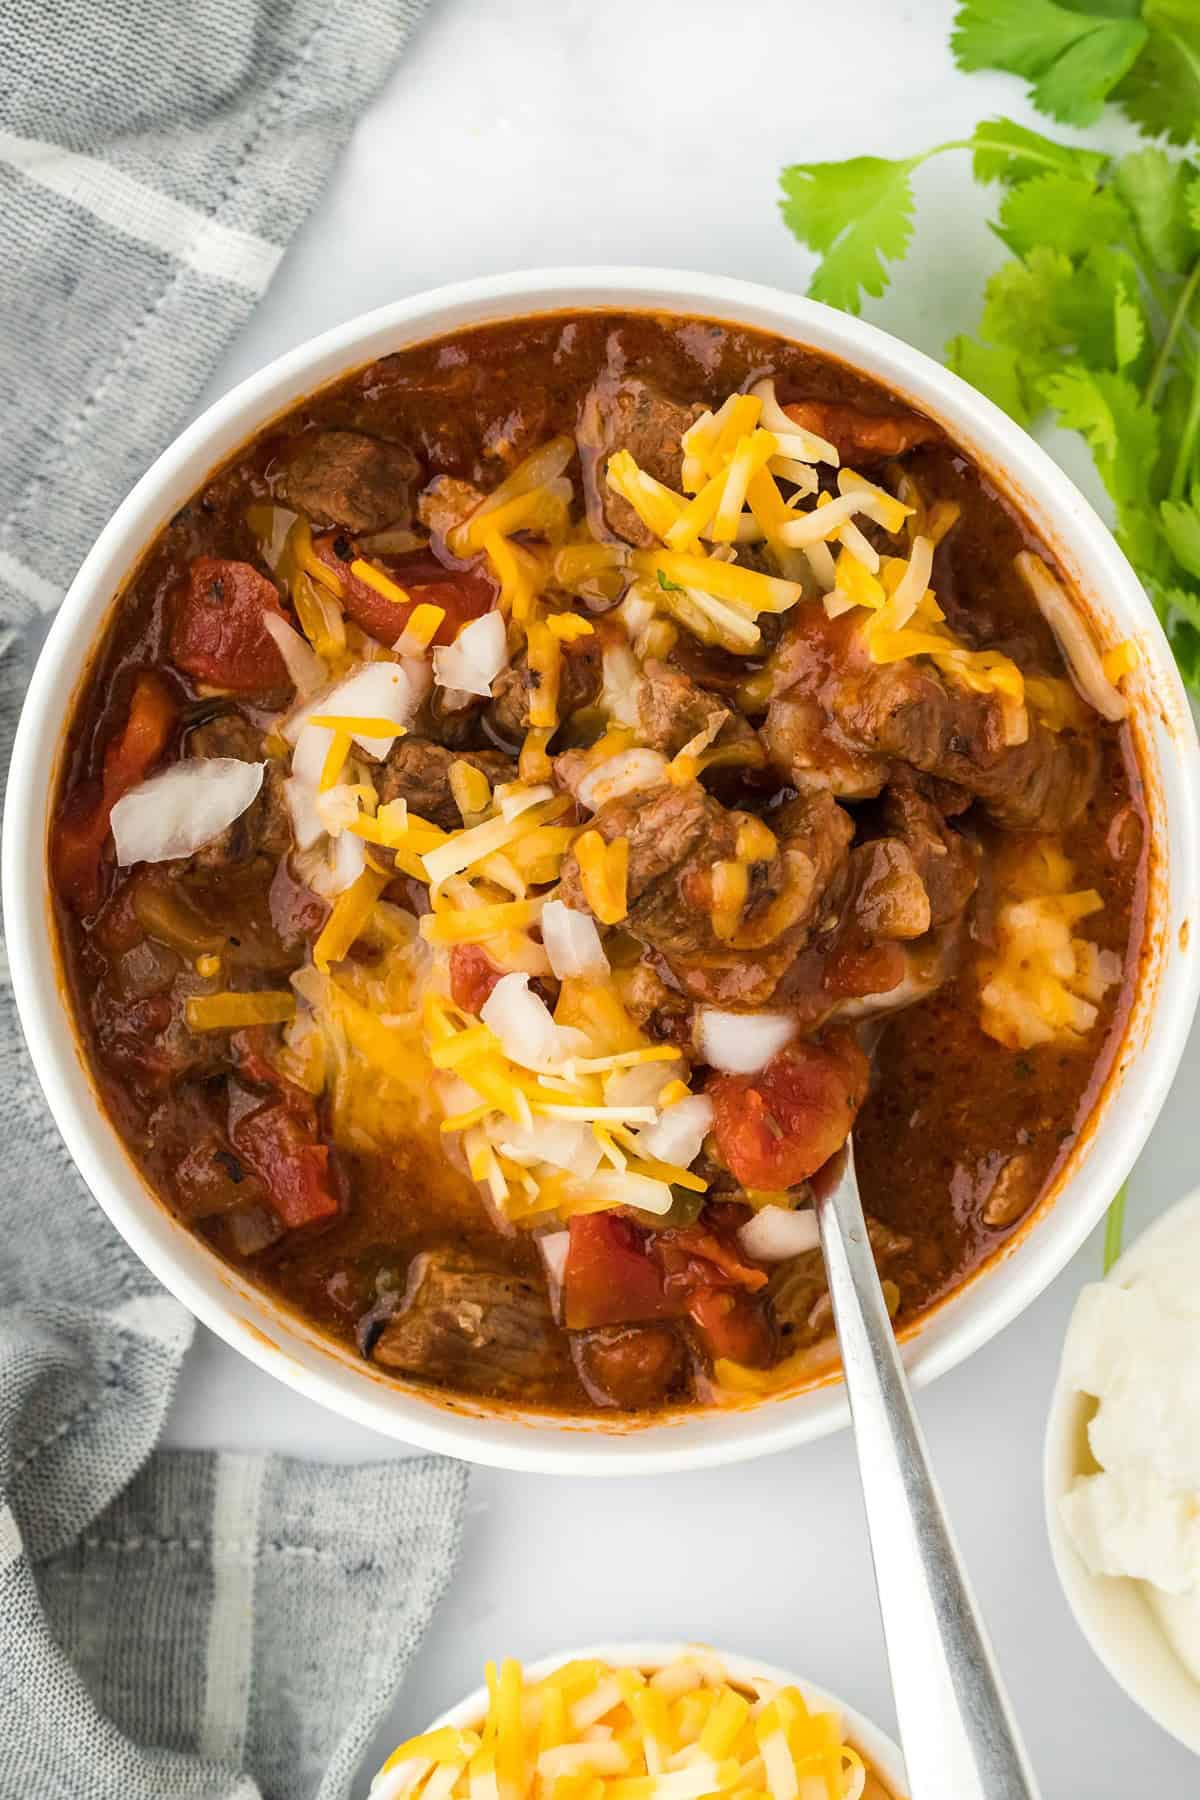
264,829
910,713
579,683
472,1327
418,771
863,437
672,710
808,751
629,1366
946,862
627,413
662,1012
888,896
675,836
906,712
346,478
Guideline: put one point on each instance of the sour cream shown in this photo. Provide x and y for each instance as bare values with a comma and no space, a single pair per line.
1135,1346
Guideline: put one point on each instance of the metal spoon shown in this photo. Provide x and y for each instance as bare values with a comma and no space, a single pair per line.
959,1735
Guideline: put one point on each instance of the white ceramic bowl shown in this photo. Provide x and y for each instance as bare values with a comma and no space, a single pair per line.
876,1750
1160,1018
1116,1616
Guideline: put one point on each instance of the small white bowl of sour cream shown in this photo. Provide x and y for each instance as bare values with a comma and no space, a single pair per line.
1147,1638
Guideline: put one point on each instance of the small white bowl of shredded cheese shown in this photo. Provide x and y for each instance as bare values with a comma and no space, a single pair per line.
647,1722
1122,1470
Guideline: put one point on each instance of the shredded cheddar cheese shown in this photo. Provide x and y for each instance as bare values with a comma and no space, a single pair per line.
230,1011
1044,981
604,872
375,578
590,1731
471,789
545,667
421,628
349,915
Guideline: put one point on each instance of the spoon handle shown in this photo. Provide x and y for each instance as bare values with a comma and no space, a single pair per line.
959,1736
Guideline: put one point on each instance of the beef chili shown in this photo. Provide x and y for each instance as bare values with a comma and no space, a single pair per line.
537,797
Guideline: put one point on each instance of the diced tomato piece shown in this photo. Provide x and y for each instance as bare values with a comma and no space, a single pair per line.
217,632
776,1128
462,594
279,1148
473,975
80,835
609,1279
697,1257
733,1325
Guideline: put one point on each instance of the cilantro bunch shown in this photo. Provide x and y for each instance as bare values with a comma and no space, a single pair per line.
1094,321
1142,54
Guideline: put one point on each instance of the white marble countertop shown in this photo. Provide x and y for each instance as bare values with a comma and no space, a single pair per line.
521,133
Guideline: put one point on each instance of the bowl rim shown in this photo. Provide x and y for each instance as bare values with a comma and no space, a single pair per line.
1112,1612
276,1339
874,1745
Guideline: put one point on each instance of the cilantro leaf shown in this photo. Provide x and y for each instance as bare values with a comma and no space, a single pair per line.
1023,301
1139,533
1110,413
1160,194
995,369
1102,309
1066,209
1073,58
1129,327
855,213
1008,152
1181,528
1161,92
1183,603
1179,610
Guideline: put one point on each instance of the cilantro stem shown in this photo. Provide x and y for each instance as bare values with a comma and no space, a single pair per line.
1178,315
1114,1227
1187,437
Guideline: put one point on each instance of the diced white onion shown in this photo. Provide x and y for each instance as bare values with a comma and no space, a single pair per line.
624,1189
742,1043
338,807
640,1085
308,758
457,1095
624,773
1073,637
347,862
380,690
523,1023
573,943
475,658
376,690
560,1142
307,823
307,670
621,684
774,1234
553,1246
184,808
680,1131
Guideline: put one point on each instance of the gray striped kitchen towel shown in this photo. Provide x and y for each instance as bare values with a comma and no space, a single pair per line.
170,1624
